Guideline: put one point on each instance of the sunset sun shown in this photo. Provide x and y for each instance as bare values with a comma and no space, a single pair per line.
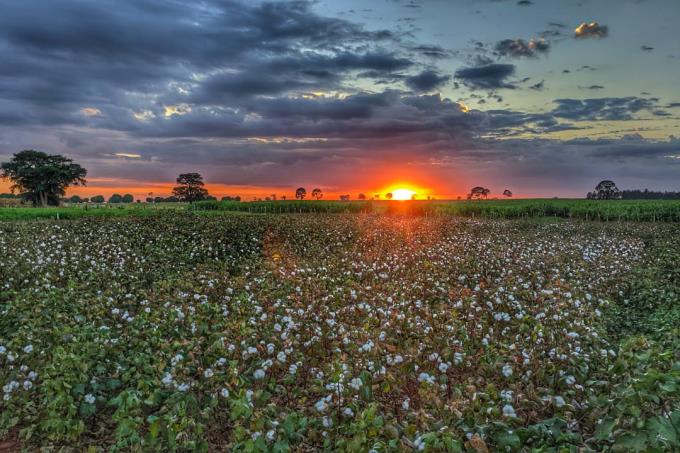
402,194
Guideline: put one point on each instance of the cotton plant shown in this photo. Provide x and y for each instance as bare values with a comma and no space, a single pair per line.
384,320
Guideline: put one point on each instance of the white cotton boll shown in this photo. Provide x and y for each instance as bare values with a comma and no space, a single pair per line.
281,356
425,377
356,383
224,392
509,411
176,359
90,399
507,371
208,373
366,347
321,405
559,401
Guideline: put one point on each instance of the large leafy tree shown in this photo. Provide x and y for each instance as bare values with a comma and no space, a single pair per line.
42,178
190,188
607,190
477,193
116,198
300,193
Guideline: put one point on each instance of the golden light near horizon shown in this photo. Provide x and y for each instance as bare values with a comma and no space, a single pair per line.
403,194
404,191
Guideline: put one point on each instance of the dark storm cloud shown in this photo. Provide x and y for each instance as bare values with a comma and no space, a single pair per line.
313,63
520,48
226,87
427,80
359,106
613,109
302,72
108,54
361,115
491,76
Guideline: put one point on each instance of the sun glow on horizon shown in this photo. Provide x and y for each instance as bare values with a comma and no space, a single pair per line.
403,194
402,191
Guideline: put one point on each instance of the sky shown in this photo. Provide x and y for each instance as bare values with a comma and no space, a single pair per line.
542,97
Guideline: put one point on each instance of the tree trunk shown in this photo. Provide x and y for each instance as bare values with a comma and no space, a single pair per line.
42,199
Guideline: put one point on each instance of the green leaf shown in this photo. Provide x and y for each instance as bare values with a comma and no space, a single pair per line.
507,440
155,428
662,429
366,393
281,446
604,429
631,443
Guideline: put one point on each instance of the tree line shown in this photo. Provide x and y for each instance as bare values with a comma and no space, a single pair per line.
42,180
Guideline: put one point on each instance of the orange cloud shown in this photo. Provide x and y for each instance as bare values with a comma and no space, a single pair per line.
591,30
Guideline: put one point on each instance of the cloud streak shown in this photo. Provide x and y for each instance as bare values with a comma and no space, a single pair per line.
490,76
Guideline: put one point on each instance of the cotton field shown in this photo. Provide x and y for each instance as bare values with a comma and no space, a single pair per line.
354,332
